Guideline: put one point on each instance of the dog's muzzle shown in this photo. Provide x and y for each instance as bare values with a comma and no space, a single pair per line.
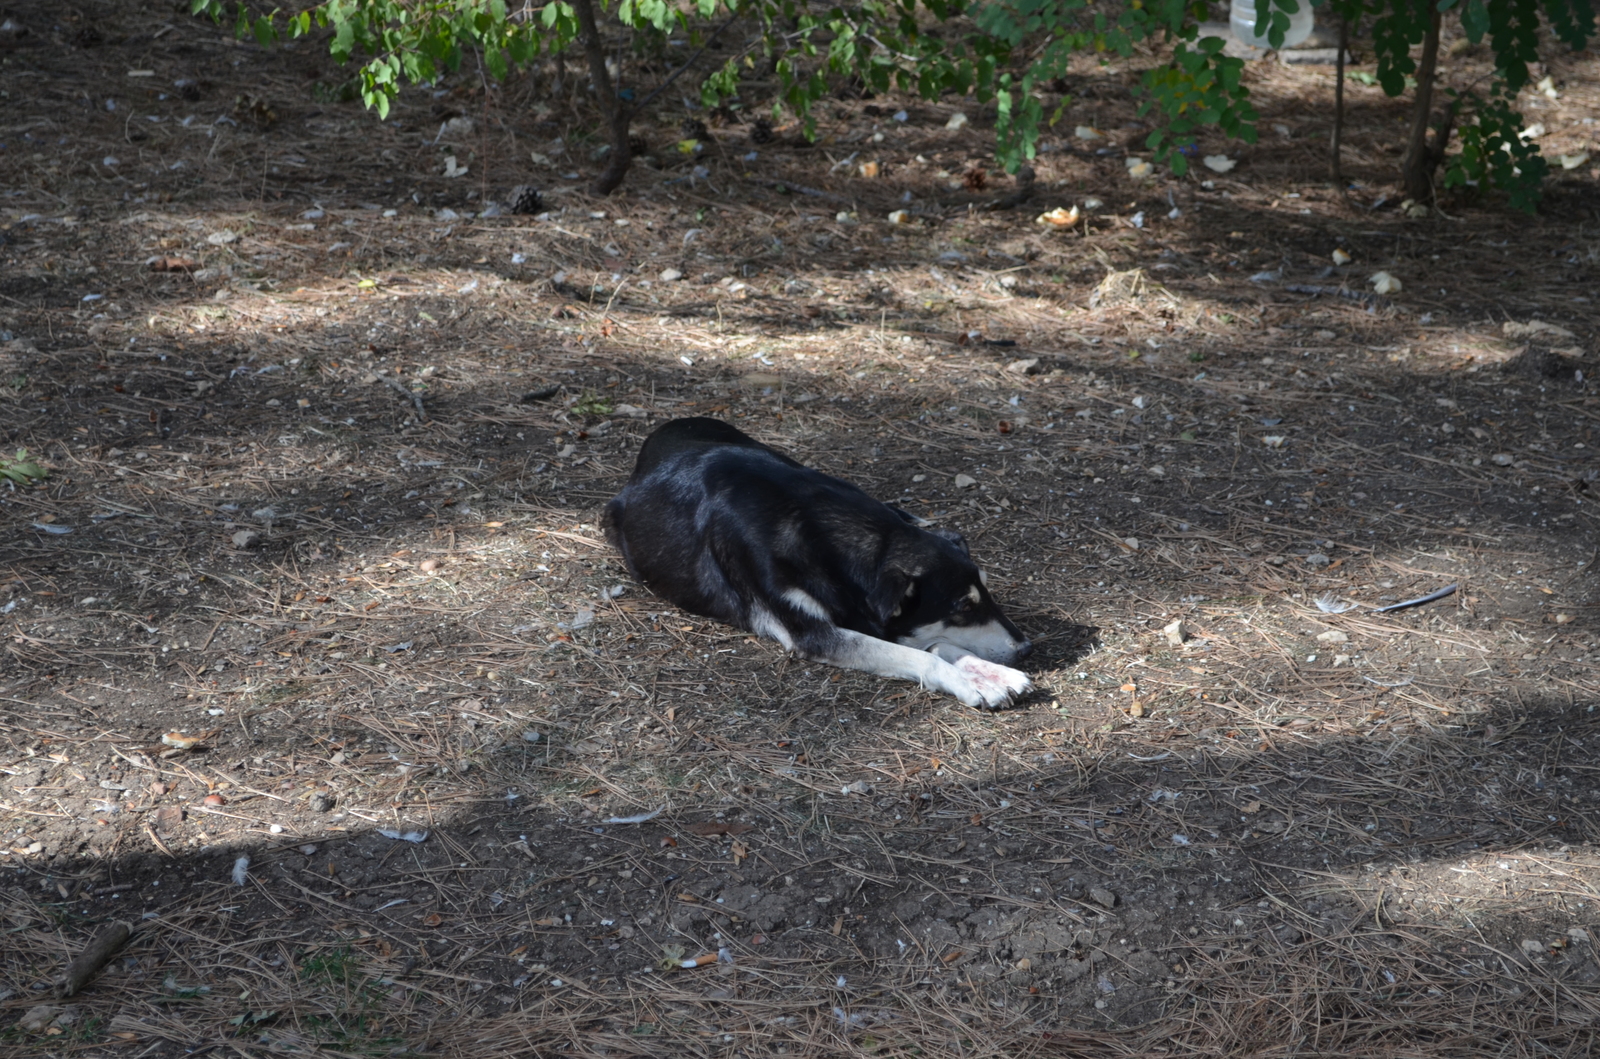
1009,655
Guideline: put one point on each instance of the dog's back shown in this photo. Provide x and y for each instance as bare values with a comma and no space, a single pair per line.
695,433
712,519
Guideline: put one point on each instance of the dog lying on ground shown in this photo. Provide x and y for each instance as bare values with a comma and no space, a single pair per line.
724,526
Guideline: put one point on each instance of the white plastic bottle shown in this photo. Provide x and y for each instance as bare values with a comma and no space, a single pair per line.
1242,17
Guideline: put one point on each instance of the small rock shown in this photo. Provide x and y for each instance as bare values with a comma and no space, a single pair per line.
858,787
964,481
320,802
36,1018
1577,934
1533,948
1332,636
1158,471
1384,283
1176,633
222,238
246,539
1029,366
1103,897
671,275
1317,559
1502,459
1024,964
1534,329
428,566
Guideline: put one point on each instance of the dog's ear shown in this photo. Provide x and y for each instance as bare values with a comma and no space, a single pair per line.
896,590
953,537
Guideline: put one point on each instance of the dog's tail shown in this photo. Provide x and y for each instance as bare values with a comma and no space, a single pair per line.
611,523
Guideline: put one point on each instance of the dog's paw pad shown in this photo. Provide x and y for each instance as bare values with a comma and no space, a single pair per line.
993,684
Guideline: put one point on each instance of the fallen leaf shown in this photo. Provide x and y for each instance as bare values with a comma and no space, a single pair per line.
716,827
185,741
173,264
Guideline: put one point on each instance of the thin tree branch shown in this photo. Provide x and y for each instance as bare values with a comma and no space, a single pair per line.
673,76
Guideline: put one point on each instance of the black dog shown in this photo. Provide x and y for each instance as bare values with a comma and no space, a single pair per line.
724,526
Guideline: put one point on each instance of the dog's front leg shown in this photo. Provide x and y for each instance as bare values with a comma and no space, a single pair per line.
969,678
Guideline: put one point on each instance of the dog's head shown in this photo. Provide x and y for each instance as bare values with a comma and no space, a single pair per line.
937,600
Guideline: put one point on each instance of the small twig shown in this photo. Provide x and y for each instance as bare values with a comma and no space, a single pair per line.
1419,601
416,398
784,185
1338,292
94,956
1018,195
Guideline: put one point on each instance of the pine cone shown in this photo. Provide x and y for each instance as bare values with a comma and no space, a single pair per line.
638,146
524,198
975,179
761,132
694,129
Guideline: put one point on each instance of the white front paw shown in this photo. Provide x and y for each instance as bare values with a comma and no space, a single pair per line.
987,684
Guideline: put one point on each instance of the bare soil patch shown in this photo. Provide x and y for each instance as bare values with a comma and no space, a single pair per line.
328,446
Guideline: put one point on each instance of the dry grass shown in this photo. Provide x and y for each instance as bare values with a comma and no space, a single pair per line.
1296,832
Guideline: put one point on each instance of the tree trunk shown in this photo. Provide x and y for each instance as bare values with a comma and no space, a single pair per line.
616,111
1422,158
1335,169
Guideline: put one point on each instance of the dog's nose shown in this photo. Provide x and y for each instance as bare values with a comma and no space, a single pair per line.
1025,648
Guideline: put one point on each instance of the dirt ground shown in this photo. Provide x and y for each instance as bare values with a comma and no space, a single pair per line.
328,435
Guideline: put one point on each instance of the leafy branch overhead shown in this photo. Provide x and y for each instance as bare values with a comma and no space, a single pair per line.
1000,51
